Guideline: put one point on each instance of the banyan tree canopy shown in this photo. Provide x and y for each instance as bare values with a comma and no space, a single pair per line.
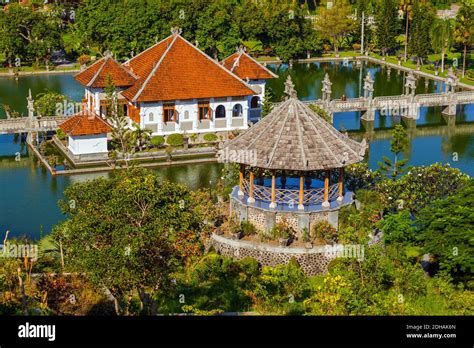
293,137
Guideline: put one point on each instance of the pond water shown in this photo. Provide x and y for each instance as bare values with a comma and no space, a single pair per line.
29,195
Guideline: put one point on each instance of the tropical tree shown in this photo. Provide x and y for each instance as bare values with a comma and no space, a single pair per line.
141,137
446,232
336,22
406,7
50,104
419,44
267,104
398,144
125,234
29,35
387,25
441,35
464,29
121,133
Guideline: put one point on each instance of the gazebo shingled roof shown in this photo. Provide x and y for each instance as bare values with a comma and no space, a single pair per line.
293,137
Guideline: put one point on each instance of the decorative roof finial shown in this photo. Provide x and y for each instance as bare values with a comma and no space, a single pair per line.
290,91
176,31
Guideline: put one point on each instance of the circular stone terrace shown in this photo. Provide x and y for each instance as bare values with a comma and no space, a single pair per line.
291,167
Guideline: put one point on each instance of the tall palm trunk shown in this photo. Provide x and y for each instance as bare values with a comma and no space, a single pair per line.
442,59
464,60
406,37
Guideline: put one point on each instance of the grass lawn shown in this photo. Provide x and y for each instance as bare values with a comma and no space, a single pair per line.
29,69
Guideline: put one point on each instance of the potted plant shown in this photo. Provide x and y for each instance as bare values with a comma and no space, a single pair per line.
236,231
283,232
322,230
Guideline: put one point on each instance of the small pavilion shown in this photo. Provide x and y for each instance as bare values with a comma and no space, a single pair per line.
292,167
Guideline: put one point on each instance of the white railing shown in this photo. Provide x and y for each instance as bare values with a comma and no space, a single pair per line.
290,196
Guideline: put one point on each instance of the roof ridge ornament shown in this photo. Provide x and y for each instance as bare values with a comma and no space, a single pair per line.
175,31
290,91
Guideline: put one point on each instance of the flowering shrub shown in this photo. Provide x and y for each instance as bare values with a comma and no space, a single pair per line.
282,230
421,185
323,230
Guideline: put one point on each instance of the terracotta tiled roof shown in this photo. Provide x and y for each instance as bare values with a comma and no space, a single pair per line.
175,69
245,67
293,137
85,123
96,75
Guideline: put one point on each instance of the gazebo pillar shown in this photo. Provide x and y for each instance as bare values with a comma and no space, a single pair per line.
341,185
301,194
273,202
241,180
251,200
326,189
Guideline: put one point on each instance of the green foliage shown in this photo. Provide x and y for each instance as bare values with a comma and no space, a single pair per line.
323,230
359,176
214,283
60,134
210,137
336,23
267,104
446,232
398,229
387,25
157,140
140,137
123,139
442,37
321,113
123,232
421,186
50,104
281,290
398,144
28,34
423,15
282,230
175,139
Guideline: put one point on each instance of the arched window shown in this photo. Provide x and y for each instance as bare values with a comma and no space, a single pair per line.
255,102
151,117
186,115
220,111
237,111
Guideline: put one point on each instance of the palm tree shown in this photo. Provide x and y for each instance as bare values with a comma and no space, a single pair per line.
140,136
406,7
441,34
464,30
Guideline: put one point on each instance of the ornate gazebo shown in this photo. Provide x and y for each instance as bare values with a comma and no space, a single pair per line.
292,167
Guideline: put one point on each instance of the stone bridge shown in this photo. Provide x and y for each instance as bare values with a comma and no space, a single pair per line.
406,105
30,124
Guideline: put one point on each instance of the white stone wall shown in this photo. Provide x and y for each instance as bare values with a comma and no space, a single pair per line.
151,115
88,144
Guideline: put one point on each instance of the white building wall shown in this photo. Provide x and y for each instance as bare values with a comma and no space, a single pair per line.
88,144
152,115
